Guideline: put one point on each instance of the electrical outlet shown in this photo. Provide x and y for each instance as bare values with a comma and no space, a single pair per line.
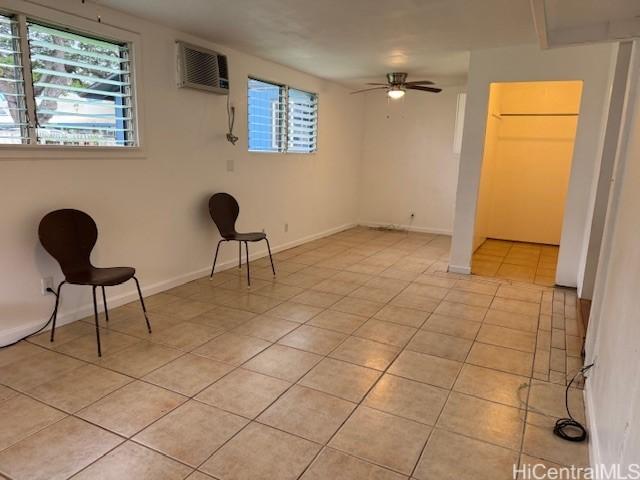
412,215
286,227
45,283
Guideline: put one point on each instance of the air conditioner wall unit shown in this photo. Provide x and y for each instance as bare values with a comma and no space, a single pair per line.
202,69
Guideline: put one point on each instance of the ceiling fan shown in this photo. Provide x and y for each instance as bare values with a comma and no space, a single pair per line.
397,85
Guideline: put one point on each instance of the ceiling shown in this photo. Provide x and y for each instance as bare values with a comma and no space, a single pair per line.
351,41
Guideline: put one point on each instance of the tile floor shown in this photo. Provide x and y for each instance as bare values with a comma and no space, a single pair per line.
519,261
362,359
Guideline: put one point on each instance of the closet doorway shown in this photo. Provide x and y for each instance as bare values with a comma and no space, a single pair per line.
530,135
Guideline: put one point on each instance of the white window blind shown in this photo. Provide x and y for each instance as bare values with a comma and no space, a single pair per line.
302,121
13,108
60,87
280,118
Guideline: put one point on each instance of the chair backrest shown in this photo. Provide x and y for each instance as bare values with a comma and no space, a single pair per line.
69,236
224,210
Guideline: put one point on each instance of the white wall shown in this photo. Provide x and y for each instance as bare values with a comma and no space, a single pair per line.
613,387
151,211
408,164
591,64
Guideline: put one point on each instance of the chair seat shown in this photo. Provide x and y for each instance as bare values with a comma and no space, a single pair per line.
102,276
247,237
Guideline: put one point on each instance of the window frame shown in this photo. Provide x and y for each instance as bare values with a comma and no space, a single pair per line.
82,26
285,147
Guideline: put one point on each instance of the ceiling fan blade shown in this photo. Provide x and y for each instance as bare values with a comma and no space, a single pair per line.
419,82
377,84
369,89
424,89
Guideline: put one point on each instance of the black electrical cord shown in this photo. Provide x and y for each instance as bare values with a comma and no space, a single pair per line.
50,290
569,428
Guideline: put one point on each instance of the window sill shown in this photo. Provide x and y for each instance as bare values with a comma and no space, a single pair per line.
60,152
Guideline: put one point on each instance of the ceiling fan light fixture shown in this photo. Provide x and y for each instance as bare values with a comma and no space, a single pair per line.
396,93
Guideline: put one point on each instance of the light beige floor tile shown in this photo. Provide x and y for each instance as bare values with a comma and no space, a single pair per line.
449,456
191,432
283,362
462,311
199,476
507,337
58,451
357,306
338,287
39,368
456,327
266,327
295,312
533,295
182,309
261,452
231,348
86,348
429,291
312,339
338,321
469,298
307,413
186,335
21,416
277,290
144,404
407,398
426,368
542,443
440,345
335,465
344,380
385,332
483,420
366,353
137,327
317,299
549,399
515,306
427,279
79,387
244,392
500,358
18,353
417,302
6,393
493,385
223,318
139,359
131,461
402,316
473,286
516,321
63,334
383,439
188,374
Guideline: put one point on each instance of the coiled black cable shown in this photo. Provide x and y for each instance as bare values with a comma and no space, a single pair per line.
569,428
50,290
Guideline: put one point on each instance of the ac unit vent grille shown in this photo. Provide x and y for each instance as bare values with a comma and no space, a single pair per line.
202,69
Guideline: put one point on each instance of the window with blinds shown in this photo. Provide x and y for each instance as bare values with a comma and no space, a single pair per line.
13,109
280,118
79,90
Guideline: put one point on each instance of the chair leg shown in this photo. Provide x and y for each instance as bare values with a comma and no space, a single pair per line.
215,258
55,310
239,255
144,310
95,314
104,301
246,246
273,269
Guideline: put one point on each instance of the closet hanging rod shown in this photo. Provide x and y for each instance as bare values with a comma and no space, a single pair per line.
539,114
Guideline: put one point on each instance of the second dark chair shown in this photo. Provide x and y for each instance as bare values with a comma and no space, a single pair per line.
224,210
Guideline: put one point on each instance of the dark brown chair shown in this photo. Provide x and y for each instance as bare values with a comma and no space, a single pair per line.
224,211
69,236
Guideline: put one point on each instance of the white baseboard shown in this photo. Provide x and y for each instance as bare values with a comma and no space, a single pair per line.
410,228
595,457
12,334
460,269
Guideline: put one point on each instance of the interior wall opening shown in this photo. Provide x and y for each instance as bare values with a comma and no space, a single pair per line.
529,141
